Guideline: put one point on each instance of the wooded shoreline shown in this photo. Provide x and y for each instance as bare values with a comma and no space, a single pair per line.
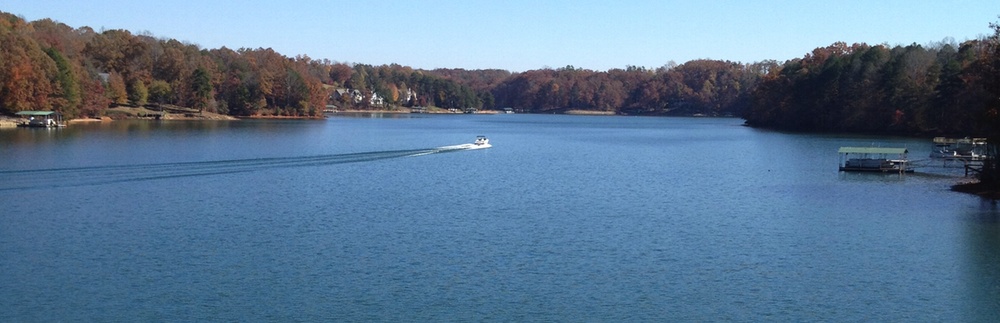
939,88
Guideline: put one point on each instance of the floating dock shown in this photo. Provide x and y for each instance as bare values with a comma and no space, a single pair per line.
959,148
41,119
874,159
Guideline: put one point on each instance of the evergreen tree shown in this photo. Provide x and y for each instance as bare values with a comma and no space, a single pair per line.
201,88
68,83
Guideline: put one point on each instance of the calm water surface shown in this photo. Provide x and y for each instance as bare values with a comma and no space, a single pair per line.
566,218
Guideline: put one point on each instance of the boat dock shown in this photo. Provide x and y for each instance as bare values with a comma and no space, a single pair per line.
968,153
959,148
40,119
874,159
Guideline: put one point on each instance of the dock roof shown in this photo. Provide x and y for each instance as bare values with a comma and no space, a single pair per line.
35,113
871,150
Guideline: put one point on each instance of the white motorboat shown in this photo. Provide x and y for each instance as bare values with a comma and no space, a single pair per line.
480,143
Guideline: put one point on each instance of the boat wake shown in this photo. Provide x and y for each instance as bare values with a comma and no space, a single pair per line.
96,175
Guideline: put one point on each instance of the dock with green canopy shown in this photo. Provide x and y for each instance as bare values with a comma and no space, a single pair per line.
44,119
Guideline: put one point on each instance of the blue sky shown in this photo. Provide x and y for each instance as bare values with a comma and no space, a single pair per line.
519,35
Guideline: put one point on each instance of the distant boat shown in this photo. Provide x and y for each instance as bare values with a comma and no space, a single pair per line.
481,142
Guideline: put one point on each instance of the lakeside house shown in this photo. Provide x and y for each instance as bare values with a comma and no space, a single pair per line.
357,97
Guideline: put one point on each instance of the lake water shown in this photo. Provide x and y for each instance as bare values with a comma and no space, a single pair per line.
566,218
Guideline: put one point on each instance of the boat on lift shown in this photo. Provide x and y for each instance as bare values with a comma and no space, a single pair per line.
961,148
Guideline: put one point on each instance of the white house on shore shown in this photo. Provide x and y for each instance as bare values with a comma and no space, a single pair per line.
356,96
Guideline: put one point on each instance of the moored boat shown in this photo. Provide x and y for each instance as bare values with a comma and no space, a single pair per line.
41,119
963,148
874,159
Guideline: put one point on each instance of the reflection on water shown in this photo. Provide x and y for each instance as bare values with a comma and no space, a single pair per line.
15,136
378,115
982,256
565,219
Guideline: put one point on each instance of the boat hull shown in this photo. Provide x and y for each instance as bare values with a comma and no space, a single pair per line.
465,147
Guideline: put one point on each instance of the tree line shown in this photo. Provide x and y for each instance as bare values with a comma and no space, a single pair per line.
47,65
914,89
708,87
940,88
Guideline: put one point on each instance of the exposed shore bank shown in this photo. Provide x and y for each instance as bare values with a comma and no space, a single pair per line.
976,188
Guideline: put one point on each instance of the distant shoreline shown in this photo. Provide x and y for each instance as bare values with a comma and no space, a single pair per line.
129,113
280,117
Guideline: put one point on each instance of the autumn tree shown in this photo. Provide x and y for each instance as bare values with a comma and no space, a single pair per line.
25,70
115,89
119,51
174,62
340,73
93,100
57,36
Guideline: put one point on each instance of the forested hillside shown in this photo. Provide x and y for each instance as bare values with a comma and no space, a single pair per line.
80,72
940,88
861,88
46,65
697,87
